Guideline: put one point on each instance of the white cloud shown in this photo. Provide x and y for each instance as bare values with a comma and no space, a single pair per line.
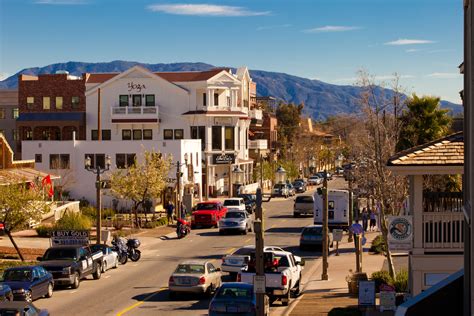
271,27
204,10
332,28
61,2
444,75
4,75
404,41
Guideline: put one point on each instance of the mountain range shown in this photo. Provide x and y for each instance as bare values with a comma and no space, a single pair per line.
321,99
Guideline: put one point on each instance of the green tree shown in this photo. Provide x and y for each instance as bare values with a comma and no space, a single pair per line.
288,116
20,205
422,122
142,181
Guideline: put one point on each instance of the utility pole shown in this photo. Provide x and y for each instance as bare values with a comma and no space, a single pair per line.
351,205
261,168
178,193
259,260
230,179
324,274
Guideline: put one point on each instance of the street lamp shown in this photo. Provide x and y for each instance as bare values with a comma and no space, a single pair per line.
280,175
98,184
178,180
313,164
238,175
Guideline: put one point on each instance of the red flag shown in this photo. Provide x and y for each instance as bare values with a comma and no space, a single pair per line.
47,181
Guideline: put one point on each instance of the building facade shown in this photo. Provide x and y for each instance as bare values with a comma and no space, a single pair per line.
8,115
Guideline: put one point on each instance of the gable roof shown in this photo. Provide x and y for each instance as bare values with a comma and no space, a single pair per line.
446,151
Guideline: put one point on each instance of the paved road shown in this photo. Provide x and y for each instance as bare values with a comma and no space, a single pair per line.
141,288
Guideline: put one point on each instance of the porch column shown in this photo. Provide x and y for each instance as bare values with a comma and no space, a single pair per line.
209,97
416,210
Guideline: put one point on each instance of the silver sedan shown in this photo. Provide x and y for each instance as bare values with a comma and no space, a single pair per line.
110,258
236,221
194,276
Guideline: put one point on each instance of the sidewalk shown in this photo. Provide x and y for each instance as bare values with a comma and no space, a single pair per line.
319,297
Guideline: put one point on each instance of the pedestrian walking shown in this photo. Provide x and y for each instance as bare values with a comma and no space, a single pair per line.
169,212
184,211
356,229
365,219
373,221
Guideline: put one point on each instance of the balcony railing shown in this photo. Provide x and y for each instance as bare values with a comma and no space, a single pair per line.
443,231
134,110
258,144
256,114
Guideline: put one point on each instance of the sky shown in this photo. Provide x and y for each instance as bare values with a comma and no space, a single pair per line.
328,40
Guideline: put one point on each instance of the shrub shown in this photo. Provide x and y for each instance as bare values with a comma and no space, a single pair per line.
381,277
91,212
401,281
43,231
73,221
83,202
378,245
153,224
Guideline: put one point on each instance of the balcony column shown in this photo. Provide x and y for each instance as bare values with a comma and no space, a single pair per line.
416,210
209,98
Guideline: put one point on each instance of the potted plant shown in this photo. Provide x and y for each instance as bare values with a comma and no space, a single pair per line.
353,281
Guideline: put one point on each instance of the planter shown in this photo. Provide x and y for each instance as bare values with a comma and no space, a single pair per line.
353,281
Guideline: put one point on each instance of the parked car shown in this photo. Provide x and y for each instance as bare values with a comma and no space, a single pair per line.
302,180
299,186
315,180
236,221
304,204
280,189
234,204
312,237
21,309
239,259
291,189
29,282
339,170
207,214
236,298
250,201
194,276
328,175
110,259
70,264
6,293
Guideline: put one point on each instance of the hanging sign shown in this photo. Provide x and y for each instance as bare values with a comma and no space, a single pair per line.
400,232
223,159
69,237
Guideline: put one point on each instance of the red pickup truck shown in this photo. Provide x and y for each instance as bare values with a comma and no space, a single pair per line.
207,214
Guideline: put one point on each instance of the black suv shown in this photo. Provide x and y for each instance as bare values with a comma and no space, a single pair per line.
250,202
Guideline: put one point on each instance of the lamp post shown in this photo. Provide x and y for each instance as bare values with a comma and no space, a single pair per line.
98,171
178,183
238,175
313,165
280,175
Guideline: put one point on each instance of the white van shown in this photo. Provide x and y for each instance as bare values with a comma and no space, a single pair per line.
338,209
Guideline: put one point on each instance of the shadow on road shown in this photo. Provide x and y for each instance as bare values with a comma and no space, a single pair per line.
213,233
201,302
282,216
294,230
307,254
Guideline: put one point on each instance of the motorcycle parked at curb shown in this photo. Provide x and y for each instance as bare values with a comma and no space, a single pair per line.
132,247
182,228
119,245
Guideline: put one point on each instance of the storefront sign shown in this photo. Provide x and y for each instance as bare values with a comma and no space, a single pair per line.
69,237
366,293
223,159
400,232
387,298
223,121
135,87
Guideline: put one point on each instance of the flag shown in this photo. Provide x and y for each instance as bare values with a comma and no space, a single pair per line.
47,181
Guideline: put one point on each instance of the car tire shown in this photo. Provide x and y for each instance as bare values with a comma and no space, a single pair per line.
285,301
208,292
76,281
233,276
28,296
250,229
50,290
244,232
98,272
295,215
297,290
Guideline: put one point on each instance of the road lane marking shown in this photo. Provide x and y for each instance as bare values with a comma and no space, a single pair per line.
283,220
126,310
230,251
248,239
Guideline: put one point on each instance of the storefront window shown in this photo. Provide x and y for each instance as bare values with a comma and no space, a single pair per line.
229,138
216,137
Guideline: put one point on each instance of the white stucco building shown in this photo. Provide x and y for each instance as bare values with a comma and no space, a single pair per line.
202,114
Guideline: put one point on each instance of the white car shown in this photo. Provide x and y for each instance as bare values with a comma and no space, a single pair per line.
234,262
235,204
110,258
236,221
315,180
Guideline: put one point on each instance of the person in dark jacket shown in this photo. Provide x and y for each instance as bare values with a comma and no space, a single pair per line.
169,212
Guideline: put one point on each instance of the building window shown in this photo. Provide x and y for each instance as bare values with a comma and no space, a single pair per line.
216,137
92,157
137,134
247,138
38,158
75,102
124,161
15,113
57,161
46,135
199,132
178,134
15,134
53,161
29,135
100,160
150,100
46,103
228,101
433,278
106,134
126,134
59,103
216,99
147,134
168,134
123,100
2,113
137,100
64,161
94,134
204,99
30,102
229,138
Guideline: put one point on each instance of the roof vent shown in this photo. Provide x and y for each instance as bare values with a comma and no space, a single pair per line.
62,72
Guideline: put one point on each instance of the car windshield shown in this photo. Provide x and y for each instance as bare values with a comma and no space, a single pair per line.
60,254
102,248
206,206
279,186
313,231
235,215
304,199
297,183
190,268
235,293
231,203
244,251
17,275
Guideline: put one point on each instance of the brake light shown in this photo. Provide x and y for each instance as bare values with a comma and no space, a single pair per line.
202,280
239,277
171,280
284,280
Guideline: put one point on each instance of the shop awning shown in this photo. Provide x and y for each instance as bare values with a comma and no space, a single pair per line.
22,175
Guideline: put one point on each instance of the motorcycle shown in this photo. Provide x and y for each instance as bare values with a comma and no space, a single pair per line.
182,229
119,245
132,247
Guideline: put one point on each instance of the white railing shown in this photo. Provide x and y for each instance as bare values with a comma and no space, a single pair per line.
256,114
258,144
443,230
134,110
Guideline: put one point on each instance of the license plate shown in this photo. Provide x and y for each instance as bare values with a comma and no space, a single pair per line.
232,309
186,281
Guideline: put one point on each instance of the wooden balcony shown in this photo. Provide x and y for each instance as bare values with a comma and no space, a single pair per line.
134,114
443,231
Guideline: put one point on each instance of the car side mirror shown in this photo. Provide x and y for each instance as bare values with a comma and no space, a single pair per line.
39,258
301,262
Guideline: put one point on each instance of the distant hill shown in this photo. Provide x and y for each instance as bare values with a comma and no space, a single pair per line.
321,99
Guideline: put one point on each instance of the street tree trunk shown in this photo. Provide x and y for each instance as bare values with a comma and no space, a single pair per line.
383,227
18,251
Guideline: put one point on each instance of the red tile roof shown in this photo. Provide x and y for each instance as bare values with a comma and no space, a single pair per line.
216,113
